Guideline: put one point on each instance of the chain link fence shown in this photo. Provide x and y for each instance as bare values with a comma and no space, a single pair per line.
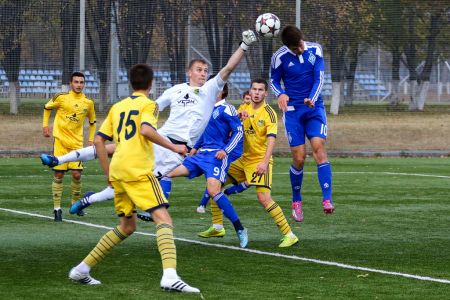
394,53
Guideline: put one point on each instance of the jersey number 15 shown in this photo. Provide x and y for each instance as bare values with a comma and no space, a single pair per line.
130,124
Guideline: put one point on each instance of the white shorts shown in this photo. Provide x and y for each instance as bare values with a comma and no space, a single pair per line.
165,160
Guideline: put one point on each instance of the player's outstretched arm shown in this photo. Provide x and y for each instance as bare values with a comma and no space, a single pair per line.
248,37
150,133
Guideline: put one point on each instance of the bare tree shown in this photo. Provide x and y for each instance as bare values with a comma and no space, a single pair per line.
98,34
70,16
11,25
175,20
219,29
135,21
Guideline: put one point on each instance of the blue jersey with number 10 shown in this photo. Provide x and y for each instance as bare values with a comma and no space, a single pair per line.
302,75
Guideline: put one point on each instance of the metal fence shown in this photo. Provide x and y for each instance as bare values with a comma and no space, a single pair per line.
382,51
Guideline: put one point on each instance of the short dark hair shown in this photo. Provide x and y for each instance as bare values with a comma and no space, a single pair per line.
141,77
225,91
291,36
76,74
260,80
197,60
247,92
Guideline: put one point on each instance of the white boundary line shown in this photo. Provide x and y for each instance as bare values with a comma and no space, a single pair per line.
277,173
253,251
380,173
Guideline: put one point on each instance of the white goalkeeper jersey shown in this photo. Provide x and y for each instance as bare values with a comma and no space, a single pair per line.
190,109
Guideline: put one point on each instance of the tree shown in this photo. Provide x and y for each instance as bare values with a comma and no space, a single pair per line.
11,25
135,21
390,28
218,27
175,21
98,31
70,17
425,21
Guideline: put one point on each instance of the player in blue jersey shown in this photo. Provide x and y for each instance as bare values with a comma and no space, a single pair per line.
300,66
220,144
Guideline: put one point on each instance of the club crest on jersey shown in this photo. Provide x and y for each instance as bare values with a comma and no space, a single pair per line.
261,123
215,113
196,91
312,58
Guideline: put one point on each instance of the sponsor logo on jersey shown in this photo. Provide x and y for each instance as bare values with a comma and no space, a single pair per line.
250,131
312,58
73,118
185,101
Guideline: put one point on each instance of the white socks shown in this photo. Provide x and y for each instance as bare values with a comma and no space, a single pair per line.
218,226
83,154
104,195
83,268
170,273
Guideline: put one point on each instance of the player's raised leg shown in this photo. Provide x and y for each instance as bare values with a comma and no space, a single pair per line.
83,154
92,197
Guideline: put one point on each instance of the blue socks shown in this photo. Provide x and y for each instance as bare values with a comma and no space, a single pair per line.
296,176
166,184
236,189
324,176
228,210
205,199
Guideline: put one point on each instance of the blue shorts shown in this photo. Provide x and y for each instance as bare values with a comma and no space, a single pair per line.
305,121
204,162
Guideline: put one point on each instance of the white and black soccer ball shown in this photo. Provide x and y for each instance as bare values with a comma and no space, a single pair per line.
268,25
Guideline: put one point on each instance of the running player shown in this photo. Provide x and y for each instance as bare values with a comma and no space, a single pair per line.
131,125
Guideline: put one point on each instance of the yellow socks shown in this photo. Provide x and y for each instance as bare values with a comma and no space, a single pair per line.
76,190
277,214
57,188
216,213
166,246
104,246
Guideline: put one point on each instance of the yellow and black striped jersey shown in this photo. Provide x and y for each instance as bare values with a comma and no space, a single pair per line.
260,124
133,159
71,111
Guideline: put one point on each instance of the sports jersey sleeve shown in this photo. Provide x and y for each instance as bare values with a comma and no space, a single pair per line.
106,130
199,143
53,103
150,115
271,122
319,74
276,74
164,100
214,86
236,129
92,120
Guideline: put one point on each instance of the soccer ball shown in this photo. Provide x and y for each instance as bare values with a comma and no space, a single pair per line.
268,25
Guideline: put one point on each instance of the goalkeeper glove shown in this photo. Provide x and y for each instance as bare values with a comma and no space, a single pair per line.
248,37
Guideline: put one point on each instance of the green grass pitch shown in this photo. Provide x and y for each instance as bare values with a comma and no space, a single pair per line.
392,215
